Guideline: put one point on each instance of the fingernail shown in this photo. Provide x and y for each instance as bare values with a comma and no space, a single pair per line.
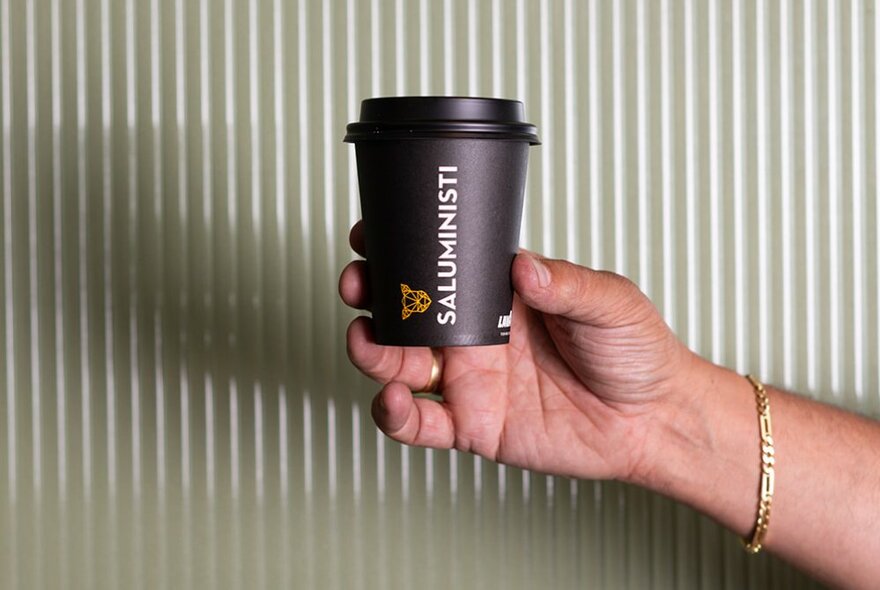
381,402
541,270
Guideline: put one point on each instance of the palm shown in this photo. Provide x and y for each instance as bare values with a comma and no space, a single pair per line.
522,403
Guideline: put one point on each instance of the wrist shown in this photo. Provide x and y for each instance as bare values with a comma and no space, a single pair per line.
676,423
702,438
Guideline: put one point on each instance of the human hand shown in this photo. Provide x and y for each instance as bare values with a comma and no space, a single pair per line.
590,367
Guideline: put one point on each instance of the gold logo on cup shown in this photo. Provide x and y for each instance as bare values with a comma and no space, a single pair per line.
413,301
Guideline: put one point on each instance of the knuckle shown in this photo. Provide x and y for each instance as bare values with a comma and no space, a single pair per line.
572,286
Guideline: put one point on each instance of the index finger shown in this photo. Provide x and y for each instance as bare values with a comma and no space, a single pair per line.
356,238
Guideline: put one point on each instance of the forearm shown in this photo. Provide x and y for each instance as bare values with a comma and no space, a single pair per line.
825,516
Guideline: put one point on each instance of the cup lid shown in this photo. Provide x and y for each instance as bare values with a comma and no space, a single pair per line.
402,117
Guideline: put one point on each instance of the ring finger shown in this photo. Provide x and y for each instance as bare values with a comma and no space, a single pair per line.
412,366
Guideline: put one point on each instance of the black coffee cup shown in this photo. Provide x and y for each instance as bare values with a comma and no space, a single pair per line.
441,185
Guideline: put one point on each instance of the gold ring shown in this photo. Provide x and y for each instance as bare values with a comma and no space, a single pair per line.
436,372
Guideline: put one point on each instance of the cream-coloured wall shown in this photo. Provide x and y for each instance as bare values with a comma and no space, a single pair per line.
176,406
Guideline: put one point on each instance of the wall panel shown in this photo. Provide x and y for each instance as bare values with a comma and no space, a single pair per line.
177,407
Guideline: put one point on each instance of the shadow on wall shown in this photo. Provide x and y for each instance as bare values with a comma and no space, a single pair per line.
173,272
162,275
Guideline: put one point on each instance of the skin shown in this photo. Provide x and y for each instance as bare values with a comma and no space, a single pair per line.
595,385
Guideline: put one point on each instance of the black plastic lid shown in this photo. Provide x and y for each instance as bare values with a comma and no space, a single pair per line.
402,117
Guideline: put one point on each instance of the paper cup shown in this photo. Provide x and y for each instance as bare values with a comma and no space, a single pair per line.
441,185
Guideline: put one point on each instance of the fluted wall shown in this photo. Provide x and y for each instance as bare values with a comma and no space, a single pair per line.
177,408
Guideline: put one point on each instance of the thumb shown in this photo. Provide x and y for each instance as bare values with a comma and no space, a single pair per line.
559,287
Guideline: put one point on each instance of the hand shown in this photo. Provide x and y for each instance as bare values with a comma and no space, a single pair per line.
589,368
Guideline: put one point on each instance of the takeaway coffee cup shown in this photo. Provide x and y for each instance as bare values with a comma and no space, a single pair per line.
441,185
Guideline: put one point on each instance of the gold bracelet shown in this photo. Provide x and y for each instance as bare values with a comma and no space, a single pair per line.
768,460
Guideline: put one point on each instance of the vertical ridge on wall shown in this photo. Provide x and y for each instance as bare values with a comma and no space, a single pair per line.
856,117
785,191
594,134
762,185
690,177
667,180
57,267
833,97
9,335
177,404
810,180
716,289
876,146
738,193
31,150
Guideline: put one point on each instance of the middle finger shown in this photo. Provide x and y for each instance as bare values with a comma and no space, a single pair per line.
353,287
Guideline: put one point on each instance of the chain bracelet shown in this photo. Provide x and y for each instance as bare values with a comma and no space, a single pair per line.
768,472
